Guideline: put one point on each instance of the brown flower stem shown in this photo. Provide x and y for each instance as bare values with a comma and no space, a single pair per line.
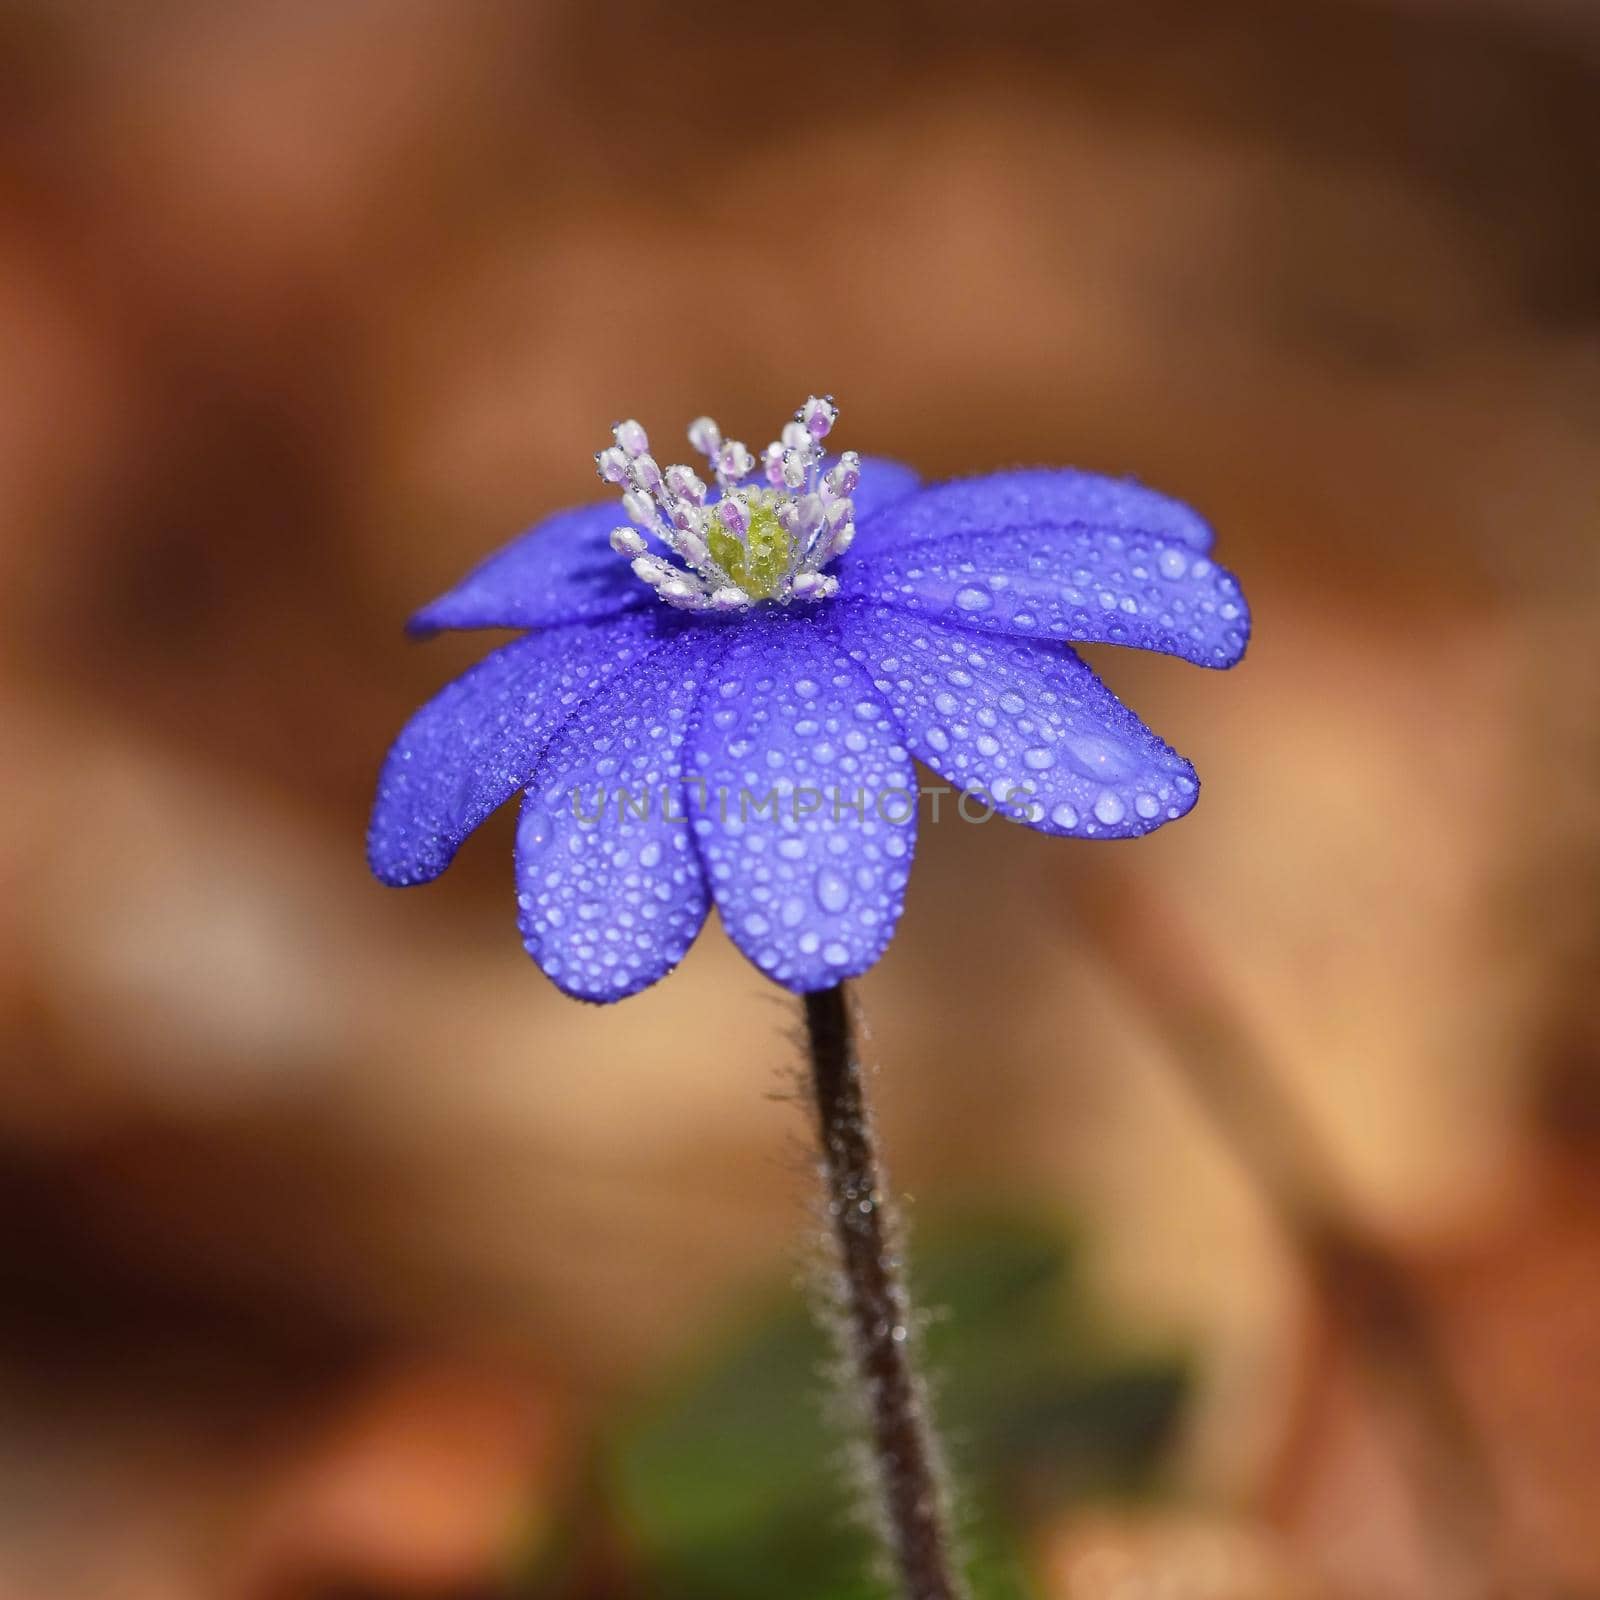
877,1312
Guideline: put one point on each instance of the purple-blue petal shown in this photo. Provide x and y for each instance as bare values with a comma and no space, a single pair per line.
883,483
561,570
1081,584
1027,725
809,817
479,740
610,889
1033,498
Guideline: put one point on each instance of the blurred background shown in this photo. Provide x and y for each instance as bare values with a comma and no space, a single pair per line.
1254,1165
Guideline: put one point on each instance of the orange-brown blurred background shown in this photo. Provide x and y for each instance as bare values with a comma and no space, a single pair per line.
330,1233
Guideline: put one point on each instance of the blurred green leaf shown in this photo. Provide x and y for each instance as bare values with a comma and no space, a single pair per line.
731,1484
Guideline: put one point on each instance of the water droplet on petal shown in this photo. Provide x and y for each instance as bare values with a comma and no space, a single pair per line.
833,891
1110,809
972,599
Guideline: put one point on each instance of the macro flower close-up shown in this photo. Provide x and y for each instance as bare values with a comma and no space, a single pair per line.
728,518
719,701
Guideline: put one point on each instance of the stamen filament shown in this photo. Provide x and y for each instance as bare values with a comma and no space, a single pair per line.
750,544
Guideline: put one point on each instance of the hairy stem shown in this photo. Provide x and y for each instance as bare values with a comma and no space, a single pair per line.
877,1311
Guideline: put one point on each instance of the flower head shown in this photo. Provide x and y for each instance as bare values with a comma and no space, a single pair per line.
749,741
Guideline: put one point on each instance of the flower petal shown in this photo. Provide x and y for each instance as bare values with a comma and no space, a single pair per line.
562,570
809,809
1039,497
883,483
479,740
610,890
1027,724
1082,584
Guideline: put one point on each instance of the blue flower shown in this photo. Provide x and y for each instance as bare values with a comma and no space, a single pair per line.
720,702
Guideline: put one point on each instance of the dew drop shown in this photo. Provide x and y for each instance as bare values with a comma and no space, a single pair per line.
1064,816
1109,809
832,889
973,599
1147,805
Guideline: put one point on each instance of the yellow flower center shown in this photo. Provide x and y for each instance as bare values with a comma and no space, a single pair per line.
760,563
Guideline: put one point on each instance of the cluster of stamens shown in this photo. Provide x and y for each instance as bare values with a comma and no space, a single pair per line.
750,543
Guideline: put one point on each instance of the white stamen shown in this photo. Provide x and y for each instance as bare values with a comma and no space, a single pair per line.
691,547
652,570
734,462
734,515
631,438
685,485
669,505
640,507
840,481
819,415
705,435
